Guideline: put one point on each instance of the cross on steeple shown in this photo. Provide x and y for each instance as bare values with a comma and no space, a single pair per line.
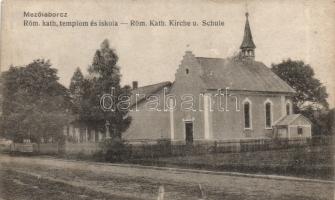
246,6
188,47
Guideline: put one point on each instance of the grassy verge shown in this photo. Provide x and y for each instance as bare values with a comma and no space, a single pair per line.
308,162
21,186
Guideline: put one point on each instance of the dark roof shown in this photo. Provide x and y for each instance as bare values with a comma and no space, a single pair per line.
146,91
289,119
241,75
247,39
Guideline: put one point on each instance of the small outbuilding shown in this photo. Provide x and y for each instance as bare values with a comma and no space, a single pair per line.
293,126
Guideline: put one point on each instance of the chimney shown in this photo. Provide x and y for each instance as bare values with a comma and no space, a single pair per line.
135,85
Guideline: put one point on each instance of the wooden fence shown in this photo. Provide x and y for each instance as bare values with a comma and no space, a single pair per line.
165,148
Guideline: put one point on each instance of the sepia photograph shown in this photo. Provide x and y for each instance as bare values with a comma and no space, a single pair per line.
167,100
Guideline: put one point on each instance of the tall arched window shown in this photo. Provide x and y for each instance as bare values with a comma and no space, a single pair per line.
268,115
288,108
247,114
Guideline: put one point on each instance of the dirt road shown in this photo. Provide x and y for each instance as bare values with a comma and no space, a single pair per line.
61,179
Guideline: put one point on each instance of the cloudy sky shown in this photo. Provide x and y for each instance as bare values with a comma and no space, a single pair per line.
296,29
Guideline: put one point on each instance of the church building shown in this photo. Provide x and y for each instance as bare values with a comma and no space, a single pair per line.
216,99
211,99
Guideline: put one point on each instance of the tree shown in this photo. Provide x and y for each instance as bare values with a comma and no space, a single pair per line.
105,77
322,119
309,91
34,103
76,90
311,96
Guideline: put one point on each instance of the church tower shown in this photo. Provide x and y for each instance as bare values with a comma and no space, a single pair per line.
248,46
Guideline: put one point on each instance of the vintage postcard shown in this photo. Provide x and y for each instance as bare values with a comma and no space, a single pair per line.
167,99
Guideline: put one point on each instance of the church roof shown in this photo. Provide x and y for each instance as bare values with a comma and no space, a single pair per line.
247,39
240,75
289,119
146,91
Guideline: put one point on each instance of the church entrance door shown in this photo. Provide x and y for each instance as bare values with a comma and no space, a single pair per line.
189,132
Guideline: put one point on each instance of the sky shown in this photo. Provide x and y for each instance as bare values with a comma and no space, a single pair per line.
296,29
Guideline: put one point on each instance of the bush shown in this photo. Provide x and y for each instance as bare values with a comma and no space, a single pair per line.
115,150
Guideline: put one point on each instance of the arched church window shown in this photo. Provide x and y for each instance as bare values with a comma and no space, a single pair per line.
247,114
288,108
187,71
268,115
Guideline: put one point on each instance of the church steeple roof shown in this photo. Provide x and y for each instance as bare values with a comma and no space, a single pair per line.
247,43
